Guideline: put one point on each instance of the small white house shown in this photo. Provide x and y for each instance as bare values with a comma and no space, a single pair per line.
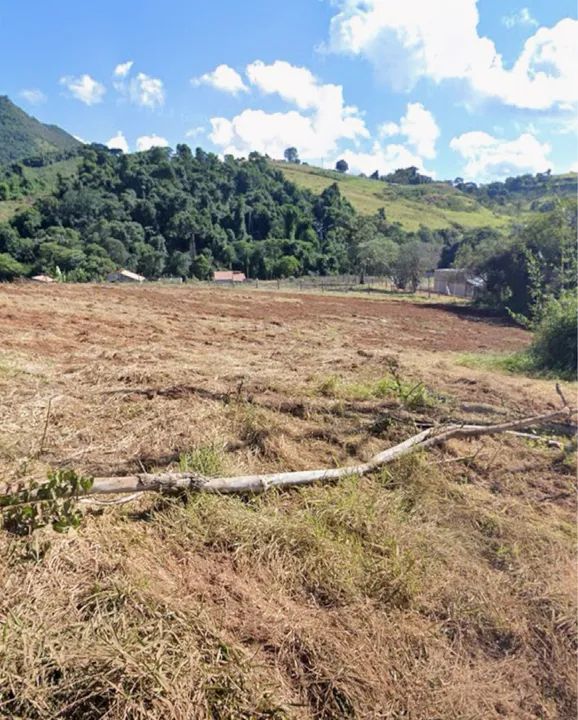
124,276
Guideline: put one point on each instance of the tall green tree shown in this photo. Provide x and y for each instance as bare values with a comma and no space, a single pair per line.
291,155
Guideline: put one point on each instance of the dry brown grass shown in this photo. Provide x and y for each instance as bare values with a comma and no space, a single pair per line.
434,589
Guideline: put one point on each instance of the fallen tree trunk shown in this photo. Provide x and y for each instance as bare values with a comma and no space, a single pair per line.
193,482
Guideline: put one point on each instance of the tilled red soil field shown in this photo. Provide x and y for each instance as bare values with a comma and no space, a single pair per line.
49,315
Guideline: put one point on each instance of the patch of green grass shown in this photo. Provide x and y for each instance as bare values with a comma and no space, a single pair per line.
42,181
329,386
412,395
9,208
47,175
516,363
207,460
334,544
9,368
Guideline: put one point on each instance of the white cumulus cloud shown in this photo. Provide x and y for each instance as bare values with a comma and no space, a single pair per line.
84,88
418,39
222,78
384,159
146,142
118,142
123,69
146,91
388,129
140,89
491,158
324,118
522,17
419,127
33,96
196,131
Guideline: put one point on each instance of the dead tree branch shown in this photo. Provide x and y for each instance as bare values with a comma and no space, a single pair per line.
244,484
192,482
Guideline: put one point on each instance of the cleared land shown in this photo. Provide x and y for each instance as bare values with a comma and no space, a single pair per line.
443,587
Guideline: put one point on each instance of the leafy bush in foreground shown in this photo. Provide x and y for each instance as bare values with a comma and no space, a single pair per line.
554,347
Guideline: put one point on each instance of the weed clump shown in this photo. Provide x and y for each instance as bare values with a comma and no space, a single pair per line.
409,393
207,460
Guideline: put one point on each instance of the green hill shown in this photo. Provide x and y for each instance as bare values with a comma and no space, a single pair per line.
439,205
435,205
22,136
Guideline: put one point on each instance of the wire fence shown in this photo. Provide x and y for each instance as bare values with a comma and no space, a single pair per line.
337,284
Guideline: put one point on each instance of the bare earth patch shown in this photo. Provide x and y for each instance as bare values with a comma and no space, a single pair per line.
443,587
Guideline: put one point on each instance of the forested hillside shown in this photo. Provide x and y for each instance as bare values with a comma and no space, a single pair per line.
179,214
186,214
22,136
78,212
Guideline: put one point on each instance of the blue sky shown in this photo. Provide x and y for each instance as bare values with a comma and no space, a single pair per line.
457,87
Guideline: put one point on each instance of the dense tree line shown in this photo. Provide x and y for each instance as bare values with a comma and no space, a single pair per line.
184,214
540,191
534,262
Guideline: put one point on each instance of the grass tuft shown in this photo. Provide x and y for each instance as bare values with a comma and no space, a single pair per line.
410,394
207,460
518,363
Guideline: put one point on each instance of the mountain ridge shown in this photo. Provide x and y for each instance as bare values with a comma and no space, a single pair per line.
23,136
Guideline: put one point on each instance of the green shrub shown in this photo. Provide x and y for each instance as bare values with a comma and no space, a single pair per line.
554,346
9,267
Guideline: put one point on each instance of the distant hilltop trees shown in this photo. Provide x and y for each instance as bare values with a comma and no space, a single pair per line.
291,155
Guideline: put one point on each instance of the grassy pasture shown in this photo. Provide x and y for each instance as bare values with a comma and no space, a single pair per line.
435,206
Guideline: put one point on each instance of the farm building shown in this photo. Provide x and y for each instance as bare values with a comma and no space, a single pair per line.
228,276
124,276
461,283
42,278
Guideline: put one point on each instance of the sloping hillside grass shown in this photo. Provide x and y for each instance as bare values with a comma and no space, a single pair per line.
47,175
8,208
43,180
436,205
